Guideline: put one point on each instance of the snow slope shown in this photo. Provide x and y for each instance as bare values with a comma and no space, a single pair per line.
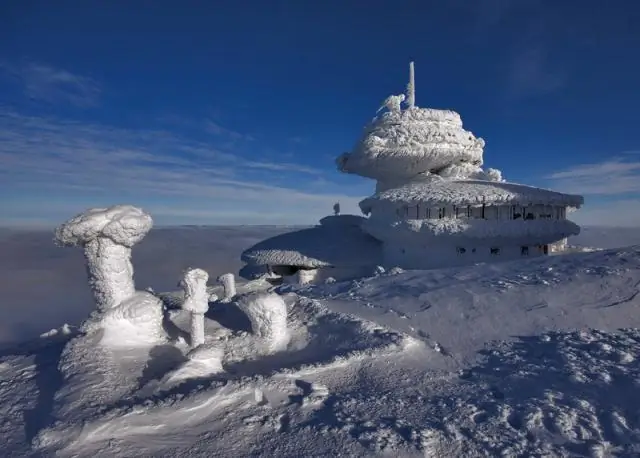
487,360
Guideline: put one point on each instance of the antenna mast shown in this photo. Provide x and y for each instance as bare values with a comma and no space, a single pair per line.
411,87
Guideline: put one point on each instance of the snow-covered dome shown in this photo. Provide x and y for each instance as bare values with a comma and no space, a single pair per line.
319,246
434,191
401,144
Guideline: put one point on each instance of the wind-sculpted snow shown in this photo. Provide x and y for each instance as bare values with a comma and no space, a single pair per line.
123,224
532,358
267,313
107,235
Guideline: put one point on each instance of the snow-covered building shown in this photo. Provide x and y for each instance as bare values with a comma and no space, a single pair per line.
435,206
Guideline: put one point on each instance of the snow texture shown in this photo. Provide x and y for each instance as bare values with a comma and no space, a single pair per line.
320,246
196,301
107,235
485,231
532,358
228,282
203,361
403,144
137,321
342,220
434,191
267,313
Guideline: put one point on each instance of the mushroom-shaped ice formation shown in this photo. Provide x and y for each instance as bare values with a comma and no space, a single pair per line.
267,313
228,282
196,301
107,235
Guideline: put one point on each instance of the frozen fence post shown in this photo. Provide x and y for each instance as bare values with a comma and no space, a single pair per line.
267,313
107,235
196,301
228,282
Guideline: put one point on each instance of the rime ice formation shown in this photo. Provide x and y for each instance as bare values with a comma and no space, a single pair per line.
196,301
136,321
434,205
107,235
228,282
202,361
267,313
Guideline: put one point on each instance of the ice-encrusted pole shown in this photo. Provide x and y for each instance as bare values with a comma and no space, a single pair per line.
228,282
196,301
267,313
411,87
107,235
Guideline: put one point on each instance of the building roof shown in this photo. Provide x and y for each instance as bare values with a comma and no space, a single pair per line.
319,246
436,191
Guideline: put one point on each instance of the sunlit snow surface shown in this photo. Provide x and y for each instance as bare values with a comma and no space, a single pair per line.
487,360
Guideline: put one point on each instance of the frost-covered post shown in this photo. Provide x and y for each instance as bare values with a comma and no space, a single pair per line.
196,301
267,313
336,208
411,88
107,235
228,282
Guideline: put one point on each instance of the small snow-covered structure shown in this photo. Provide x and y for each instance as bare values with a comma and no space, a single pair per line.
228,282
196,301
107,235
336,248
267,313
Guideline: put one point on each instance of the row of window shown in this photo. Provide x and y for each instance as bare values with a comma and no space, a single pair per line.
524,250
511,212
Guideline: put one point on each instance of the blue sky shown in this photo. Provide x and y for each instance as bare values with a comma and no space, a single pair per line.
232,112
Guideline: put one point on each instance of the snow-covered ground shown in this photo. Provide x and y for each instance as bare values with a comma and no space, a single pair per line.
528,358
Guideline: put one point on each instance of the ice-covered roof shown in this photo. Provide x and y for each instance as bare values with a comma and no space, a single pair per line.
489,231
436,191
342,220
318,246
411,141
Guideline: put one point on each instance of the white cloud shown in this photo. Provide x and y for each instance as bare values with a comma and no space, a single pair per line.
611,189
217,129
620,213
183,180
53,85
611,177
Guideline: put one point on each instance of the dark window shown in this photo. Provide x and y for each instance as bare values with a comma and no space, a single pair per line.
524,251
529,216
495,251
473,250
461,250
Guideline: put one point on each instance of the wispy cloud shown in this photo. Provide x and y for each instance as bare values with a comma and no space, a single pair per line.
611,187
53,85
49,165
532,74
612,177
217,129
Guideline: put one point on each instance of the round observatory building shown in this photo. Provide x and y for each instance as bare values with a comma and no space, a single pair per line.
435,206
